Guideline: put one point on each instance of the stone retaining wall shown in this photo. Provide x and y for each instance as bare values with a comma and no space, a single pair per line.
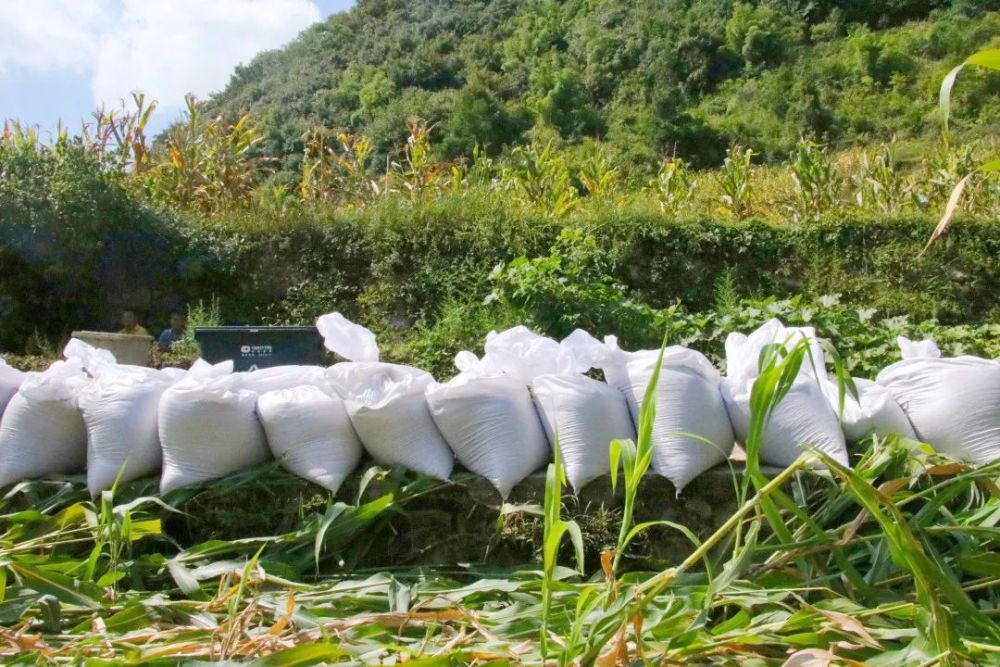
466,521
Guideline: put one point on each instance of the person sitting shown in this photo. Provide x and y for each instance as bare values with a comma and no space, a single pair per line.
178,325
131,326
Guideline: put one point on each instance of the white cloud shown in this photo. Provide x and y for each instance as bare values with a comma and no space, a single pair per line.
168,48
51,34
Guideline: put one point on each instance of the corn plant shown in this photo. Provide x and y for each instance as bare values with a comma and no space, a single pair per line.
335,167
481,169
919,528
816,182
541,177
419,171
318,167
207,164
555,528
635,460
20,137
118,136
673,187
735,178
598,176
878,185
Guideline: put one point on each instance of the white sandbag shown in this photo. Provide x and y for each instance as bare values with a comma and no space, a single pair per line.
384,401
803,418
387,409
208,423
10,381
309,432
42,431
873,412
487,416
688,403
280,377
585,413
953,404
120,408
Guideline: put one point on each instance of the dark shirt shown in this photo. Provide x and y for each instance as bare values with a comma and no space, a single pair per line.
168,338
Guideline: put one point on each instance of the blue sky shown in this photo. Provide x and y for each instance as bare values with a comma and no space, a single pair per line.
60,59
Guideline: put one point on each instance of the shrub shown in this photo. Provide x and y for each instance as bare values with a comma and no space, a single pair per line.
77,246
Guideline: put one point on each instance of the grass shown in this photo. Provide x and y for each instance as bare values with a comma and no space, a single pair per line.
894,561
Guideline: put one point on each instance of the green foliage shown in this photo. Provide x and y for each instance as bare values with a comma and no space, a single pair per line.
763,35
650,78
78,245
878,185
990,59
338,235
817,182
735,180
205,165
541,177
673,188
200,314
93,247
573,287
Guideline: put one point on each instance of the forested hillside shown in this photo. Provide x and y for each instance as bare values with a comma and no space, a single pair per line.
649,77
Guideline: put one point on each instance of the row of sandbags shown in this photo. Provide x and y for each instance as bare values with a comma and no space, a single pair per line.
499,416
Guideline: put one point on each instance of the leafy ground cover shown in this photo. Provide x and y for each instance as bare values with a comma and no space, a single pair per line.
894,561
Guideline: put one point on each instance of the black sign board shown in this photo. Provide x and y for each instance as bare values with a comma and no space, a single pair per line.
252,348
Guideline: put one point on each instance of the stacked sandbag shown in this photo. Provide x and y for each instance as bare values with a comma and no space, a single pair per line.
208,424
10,382
580,413
486,413
873,411
385,402
120,408
804,418
691,431
953,404
42,431
310,433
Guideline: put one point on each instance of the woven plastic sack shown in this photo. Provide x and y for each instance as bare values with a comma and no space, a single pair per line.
384,401
586,414
804,417
872,412
42,431
691,431
310,433
208,423
10,381
486,413
953,403
119,408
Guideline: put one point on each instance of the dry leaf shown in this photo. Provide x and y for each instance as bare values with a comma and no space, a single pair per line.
846,624
989,486
947,469
891,486
281,623
607,559
949,213
617,654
